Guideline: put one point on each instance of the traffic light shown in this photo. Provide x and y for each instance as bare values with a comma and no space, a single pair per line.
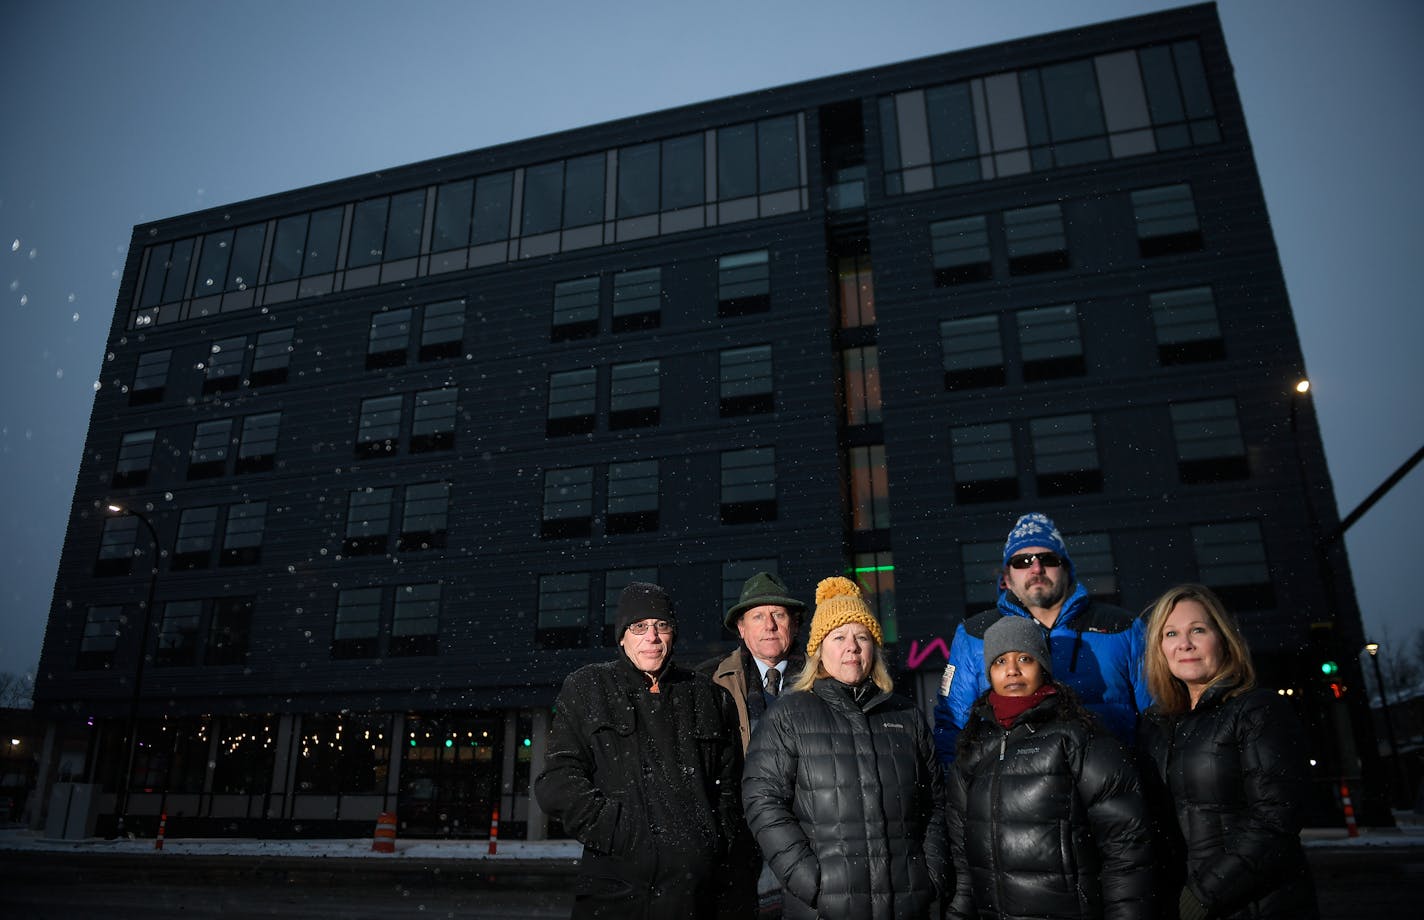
1329,669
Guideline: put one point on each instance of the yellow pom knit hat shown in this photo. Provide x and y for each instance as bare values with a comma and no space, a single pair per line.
838,602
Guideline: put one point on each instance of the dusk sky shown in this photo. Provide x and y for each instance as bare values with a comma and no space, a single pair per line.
117,113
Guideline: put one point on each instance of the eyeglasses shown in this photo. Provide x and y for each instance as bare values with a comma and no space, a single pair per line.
640,628
1025,560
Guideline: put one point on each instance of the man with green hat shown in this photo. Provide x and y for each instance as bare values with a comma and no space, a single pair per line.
767,619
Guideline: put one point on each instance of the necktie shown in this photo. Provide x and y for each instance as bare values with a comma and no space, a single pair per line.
773,681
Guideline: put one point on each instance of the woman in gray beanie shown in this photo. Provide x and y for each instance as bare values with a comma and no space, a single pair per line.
1046,815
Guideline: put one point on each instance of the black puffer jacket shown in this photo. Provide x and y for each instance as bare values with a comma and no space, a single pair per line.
648,784
1047,818
843,793
1229,786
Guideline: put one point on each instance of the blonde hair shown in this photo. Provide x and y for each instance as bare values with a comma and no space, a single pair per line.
1169,693
814,671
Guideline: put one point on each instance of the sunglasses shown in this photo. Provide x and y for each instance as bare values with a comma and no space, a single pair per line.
1025,560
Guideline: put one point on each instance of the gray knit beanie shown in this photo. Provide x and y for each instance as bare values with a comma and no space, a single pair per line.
1017,634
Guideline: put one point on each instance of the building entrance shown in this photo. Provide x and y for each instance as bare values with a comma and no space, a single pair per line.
450,774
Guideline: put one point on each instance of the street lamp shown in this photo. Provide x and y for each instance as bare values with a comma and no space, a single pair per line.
131,734
1373,648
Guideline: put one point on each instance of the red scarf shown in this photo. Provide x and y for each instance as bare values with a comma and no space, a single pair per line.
1007,709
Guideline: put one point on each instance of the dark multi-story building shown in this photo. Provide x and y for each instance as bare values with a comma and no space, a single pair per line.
401,438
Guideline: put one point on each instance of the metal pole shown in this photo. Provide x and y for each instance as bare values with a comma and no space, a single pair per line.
1373,649
131,735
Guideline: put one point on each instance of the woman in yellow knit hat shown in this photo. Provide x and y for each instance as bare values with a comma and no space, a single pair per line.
841,786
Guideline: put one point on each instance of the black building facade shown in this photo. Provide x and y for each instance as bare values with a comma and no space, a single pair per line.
402,438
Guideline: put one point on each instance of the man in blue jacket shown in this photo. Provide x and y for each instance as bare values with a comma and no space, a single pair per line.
1096,648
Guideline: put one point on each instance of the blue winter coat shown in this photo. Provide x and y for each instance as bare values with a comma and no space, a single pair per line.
1096,648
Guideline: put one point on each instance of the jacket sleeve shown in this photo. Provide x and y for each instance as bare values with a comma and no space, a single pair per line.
961,904
952,708
566,788
1137,664
1111,793
729,789
1268,737
768,793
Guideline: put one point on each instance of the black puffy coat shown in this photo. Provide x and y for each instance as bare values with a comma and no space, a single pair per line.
648,784
1228,788
1047,818
843,793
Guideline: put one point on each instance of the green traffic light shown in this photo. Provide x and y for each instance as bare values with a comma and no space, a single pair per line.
1329,667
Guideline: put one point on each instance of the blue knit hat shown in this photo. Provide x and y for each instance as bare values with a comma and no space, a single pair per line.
1037,529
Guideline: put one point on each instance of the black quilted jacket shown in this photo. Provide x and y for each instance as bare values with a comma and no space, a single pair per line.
1047,819
1229,786
844,796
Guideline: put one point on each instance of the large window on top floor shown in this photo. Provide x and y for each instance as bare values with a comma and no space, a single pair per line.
228,260
758,157
305,245
1113,105
386,229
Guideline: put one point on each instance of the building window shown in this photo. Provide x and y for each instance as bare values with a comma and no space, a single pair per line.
635,395
224,368
257,446
984,468
875,573
424,519
368,233
415,627
208,458
869,488
453,203
135,455
305,245
272,357
101,637
568,502
1187,327
442,330
345,753
1231,560
1065,455
1166,220
632,497
746,381
1036,239
973,352
861,368
178,632
543,198
1209,443
959,250
1094,566
571,402
368,522
575,309
242,540
981,565
150,379
744,283
193,548
748,485
166,274
389,339
378,431
855,285
735,574
1050,343
637,299
563,611
117,544
433,426
358,624
614,581
229,631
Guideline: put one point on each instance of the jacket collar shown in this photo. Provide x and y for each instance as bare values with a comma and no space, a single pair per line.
864,698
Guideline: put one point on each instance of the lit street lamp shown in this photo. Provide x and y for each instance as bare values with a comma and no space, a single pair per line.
131,734
1373,648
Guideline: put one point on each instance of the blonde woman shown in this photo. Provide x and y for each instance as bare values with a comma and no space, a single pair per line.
1226,760
841,787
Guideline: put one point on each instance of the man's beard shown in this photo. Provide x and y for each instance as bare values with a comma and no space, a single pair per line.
1044,594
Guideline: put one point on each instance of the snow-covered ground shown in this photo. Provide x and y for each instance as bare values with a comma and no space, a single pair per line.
21,839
